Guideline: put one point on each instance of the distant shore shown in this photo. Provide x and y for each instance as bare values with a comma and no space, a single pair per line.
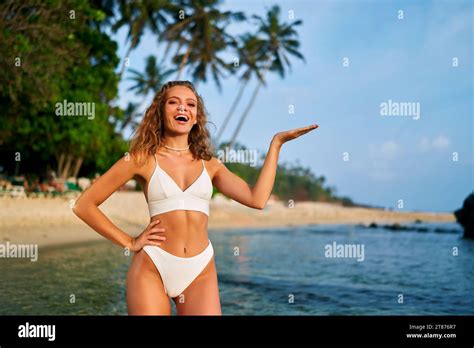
50,221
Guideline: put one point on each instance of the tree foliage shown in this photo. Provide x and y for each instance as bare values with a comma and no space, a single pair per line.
52,53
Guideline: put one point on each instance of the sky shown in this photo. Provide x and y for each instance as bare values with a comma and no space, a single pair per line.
390,84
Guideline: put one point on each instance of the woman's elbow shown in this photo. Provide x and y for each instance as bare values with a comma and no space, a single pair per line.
79,208
259,205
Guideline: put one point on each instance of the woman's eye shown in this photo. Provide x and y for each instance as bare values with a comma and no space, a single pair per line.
192,105
172,102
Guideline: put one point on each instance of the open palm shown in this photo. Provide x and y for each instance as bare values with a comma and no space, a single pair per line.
283,137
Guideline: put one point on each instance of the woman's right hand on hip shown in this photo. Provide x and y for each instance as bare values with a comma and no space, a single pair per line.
148,237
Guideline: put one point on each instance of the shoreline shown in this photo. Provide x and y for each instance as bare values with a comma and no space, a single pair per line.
50,221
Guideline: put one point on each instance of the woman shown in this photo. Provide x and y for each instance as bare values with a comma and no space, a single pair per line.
170,157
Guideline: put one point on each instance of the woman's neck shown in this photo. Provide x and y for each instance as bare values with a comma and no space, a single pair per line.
176,142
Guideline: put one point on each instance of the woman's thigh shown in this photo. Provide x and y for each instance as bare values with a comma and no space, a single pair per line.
145,291
201,297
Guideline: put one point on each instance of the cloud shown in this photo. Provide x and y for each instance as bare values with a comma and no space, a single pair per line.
382,160
424,144
441,142
444,30
438,143
390,149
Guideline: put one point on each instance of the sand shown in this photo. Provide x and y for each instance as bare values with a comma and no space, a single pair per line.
50,221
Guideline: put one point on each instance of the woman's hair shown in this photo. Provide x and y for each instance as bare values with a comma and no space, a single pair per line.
149,134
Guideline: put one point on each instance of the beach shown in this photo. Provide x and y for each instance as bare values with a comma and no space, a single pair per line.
50,221
262,256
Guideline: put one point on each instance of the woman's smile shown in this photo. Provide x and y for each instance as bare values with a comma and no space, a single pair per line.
181,118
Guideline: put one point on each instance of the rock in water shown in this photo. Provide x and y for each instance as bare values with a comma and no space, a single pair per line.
465,216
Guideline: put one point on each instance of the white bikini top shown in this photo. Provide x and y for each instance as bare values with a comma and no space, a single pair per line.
165,195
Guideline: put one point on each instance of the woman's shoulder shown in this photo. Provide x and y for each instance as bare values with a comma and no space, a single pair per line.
138,163
213,164
213,161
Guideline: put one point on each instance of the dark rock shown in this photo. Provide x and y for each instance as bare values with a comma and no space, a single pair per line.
465,216
418,221
395,227
373,225
445,230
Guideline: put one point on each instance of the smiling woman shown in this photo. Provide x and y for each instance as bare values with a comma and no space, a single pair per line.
176,98
171,157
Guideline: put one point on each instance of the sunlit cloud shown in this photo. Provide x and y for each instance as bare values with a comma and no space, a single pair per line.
381,160
438,143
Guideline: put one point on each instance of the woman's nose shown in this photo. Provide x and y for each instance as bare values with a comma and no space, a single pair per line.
181,107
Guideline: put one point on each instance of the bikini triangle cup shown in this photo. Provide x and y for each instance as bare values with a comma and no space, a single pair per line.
174,182
165,195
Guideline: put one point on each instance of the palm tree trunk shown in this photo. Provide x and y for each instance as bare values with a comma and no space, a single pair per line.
231,112
60,160
130,119
122,69
17,168
184,61
168,47
249,106
77,166
65,172
244,115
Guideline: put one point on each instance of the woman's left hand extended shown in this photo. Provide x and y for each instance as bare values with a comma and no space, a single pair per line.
282,137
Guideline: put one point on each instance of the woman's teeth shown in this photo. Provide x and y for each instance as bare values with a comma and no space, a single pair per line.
181,118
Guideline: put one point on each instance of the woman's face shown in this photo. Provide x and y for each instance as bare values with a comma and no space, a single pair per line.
180,110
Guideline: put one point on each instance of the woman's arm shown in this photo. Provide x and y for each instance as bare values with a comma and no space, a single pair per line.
233,186
237,189
86,207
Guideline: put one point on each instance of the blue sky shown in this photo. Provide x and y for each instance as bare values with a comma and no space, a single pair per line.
402,60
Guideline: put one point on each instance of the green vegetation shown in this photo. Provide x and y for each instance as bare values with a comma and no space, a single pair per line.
292,182
56,53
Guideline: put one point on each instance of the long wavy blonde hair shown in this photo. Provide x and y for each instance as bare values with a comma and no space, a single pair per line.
149,135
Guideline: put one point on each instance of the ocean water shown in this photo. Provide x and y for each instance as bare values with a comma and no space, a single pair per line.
273,271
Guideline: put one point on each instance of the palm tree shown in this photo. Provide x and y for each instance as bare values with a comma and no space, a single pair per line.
203,35
140,15
250,59
107,7
150,80
203,59
279,40
130,114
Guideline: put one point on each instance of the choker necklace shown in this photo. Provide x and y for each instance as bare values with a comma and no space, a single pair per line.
172,148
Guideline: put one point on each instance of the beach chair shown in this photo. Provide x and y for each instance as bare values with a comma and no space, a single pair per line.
17,192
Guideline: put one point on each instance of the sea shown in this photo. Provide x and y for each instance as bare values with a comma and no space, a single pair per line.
321,270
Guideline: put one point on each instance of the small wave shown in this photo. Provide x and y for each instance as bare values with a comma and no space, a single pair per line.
396,227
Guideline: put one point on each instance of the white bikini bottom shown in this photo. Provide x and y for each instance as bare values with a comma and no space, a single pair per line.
177,272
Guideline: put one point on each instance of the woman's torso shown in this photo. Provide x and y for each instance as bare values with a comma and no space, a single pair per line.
185,230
